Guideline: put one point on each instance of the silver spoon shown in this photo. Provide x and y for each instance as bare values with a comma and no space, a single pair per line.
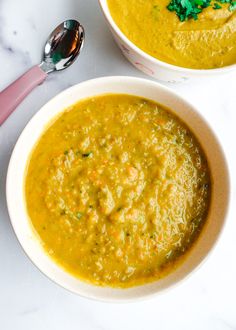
61,49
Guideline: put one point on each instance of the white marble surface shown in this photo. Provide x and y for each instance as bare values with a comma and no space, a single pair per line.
28,300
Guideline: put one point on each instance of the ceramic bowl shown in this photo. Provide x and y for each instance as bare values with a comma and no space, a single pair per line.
32,132
151,66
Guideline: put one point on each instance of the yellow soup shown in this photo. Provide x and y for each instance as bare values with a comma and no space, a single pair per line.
118,189
207,43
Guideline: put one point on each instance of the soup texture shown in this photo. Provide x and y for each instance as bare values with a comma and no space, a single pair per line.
206,43
118,189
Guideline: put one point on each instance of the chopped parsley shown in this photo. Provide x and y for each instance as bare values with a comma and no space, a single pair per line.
186,9
216,6
87,155
232,6
79,215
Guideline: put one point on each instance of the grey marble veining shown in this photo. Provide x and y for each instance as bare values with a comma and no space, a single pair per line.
28,300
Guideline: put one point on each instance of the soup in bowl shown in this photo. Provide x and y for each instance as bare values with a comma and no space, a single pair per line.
116,188
156,39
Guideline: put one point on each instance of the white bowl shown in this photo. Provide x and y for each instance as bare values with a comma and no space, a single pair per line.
150,65
147,89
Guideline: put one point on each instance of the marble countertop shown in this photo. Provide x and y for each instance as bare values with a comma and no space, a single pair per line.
28,300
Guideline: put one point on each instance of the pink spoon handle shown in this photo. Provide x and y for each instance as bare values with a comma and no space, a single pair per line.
12,96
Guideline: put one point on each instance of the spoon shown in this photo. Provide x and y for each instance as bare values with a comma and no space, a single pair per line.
61,49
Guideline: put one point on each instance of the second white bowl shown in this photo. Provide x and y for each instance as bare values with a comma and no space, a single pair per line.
152,66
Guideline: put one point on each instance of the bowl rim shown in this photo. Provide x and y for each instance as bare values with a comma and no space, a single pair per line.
150,58
13,164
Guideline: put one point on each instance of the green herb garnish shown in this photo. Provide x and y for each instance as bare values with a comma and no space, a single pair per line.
87,155
232,6
186,9
216,6
79,215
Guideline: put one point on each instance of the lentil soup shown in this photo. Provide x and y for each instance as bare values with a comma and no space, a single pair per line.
117,189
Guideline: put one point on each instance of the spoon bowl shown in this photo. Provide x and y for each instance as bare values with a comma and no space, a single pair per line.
63,46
